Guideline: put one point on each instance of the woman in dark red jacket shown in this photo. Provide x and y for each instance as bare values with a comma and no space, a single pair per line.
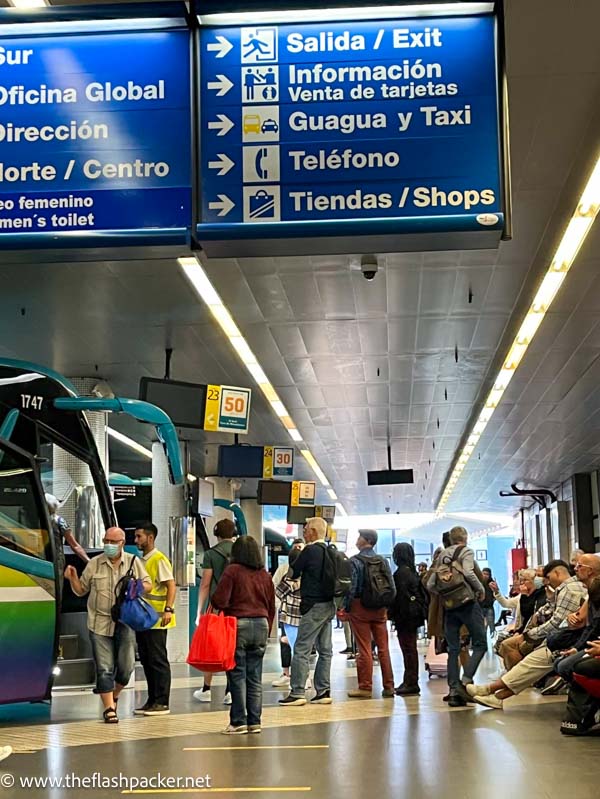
245,591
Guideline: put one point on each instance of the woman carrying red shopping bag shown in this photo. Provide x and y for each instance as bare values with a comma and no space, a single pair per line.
245,591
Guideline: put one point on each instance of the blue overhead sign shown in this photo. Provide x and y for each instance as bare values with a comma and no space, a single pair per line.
390,124
95,136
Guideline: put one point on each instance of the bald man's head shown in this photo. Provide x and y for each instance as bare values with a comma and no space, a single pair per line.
587,568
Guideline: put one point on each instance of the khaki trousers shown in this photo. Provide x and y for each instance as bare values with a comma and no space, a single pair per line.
531,669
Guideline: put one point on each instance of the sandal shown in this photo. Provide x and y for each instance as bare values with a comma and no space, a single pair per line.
110,716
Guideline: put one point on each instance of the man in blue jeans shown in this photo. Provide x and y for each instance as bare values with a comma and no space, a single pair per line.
469,615
317,611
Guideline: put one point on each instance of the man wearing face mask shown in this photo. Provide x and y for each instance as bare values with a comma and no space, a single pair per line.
152,644
532,596
113,645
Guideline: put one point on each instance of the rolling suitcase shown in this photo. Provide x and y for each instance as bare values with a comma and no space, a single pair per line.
435,665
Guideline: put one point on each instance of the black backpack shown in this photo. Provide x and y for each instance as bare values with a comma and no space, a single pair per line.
336,575
379,590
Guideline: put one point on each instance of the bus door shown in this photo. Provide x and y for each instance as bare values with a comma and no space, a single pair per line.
28,637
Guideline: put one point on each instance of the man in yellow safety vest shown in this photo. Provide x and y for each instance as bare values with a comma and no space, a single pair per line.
152,644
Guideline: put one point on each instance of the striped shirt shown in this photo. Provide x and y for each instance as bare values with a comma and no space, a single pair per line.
288,594
569,597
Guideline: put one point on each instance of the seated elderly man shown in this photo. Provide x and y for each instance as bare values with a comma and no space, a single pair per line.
571,593
590,612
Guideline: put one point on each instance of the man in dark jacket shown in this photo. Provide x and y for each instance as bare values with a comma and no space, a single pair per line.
317,610
408,612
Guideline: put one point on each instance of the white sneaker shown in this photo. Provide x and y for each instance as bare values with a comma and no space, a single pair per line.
5,751
478,690
230,730
202,696
491,701
227,699
281,682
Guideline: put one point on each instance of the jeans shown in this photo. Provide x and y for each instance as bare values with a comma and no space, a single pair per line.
489,618
285,650
408,645
315,627
369,626
471,616
564,667
114,658
152,648
291,632
246,678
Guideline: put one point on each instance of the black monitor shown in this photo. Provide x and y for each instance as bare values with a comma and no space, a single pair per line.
241,461
185,403
387,477
274,492
298,515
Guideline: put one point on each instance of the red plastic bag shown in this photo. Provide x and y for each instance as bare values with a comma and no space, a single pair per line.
213,643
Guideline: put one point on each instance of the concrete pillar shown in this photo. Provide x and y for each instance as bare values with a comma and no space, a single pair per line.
168,501
72,480
254,520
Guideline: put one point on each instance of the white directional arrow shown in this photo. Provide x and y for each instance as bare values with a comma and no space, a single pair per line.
223,124
221,47
224,205
223,164
221,85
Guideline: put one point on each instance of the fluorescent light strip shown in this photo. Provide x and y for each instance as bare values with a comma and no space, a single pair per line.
46,26
340,508
345,14
312,462
332,494
573,238
207,292
129,442
27,4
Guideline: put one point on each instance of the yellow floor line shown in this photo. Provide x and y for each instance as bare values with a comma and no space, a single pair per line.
282,789
247,748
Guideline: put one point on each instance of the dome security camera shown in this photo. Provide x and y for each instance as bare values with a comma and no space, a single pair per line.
369,266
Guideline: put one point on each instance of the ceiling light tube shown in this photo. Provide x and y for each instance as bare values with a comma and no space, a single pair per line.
129,442
345,14
295,434
257,373
27,4
311,460
225,320
572,240
332,494
340,509
240,345
269,392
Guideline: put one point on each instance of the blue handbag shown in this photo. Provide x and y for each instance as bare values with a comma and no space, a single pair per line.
135,612
130,607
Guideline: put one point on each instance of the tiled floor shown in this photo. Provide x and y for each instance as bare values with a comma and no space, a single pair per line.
411,748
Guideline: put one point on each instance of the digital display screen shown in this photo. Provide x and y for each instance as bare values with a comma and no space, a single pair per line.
240,461
183,402
275,492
